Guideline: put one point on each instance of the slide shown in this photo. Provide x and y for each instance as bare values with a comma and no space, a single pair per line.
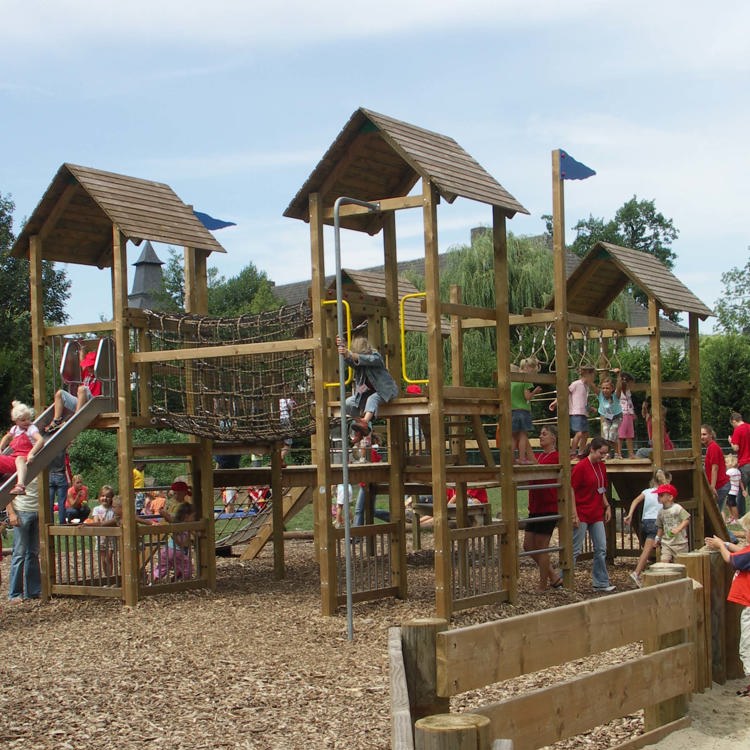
55,442
260,529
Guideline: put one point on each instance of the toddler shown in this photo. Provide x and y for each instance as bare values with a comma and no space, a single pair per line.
671,524
25,442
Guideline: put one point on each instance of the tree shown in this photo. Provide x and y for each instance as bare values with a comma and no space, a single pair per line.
248,292
15,325
725,373
638,225
732,308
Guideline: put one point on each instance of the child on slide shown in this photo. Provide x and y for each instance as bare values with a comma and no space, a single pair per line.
89,388
25,442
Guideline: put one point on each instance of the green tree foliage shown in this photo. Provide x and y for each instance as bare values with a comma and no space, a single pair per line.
15,325
638,225
637,361
732,309
248,292
725,374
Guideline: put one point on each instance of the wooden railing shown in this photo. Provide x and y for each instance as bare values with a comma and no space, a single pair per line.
477,574
437,663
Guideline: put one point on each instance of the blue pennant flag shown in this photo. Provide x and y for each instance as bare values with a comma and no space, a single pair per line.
210,223
570,169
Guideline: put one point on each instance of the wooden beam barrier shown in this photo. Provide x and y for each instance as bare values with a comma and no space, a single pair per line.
418,645
698,567
230,350
401,724
660,712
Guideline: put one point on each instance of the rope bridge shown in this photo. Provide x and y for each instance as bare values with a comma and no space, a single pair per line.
232,398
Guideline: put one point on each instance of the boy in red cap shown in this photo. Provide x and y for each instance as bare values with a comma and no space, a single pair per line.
671,524
89,388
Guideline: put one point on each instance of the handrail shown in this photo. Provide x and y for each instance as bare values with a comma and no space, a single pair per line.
349,370
402,326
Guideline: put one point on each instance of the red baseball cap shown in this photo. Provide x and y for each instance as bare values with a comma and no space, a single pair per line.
663,489
181,487
413,389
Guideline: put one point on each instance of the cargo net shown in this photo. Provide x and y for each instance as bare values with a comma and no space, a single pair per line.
255,398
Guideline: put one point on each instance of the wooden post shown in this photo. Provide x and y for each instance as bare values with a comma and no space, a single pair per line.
509,549
453,732
402,737
324,542
129,558
443,563
674,708
564,493
46,544
418,638
718,595
277,511
697,525
657,420
396,432
698,567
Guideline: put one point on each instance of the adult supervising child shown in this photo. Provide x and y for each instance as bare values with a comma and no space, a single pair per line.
738,557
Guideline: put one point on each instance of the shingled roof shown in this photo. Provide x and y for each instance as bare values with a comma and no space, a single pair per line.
77,211
607,269
376,157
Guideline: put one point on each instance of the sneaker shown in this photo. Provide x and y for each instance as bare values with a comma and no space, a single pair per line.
54,425
19,489
605,589
636,579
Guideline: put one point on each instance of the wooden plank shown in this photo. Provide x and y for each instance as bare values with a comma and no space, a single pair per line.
418,648
401,724
481,655
589,700
385,204
104,326
227,350
481,600
655,735
461,310
60,207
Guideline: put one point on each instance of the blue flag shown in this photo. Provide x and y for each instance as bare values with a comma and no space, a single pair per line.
570,169
210,223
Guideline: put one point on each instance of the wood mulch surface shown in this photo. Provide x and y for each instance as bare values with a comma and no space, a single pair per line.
252,665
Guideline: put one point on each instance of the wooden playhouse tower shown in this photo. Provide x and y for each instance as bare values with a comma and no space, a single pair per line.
86,217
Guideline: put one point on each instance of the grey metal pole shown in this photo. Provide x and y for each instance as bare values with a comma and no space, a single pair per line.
342,398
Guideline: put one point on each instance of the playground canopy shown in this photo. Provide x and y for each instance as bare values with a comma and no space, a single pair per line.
76,214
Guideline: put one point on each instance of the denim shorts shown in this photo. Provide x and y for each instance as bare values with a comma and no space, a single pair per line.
579,423
648,528
521,421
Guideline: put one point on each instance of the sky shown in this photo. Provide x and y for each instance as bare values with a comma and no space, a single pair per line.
233,103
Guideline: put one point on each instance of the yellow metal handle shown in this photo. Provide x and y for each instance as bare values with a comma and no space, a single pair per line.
349,371
402,325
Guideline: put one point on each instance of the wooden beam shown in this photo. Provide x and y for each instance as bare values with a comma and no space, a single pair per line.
58,210
227,350
657,420
459,310
386,204
101,327
698,528
591,321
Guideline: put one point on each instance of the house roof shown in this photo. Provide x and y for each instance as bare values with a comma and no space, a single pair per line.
77,211
607,269
376,157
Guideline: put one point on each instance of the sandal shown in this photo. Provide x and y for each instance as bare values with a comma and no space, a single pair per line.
558,583
54,425
744,693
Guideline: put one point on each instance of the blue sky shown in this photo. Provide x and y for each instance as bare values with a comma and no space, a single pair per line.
233,103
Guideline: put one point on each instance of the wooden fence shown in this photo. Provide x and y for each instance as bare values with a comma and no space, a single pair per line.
429,664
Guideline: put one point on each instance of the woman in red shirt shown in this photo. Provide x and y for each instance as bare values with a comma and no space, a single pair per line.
715,466
543,502
592,511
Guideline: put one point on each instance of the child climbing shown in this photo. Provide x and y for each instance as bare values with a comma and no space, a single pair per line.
626,431
671,524
650,499
578,392
25,442
610,412
373,385
521,424
89,388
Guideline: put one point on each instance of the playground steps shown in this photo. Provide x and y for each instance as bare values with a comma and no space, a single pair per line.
293,502
55,442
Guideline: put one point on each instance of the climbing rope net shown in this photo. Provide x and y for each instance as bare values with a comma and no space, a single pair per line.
256,398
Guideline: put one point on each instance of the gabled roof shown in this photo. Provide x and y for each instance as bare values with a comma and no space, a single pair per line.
376,157
607,269
77,211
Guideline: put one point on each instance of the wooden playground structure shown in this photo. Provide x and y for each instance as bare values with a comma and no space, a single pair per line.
189,373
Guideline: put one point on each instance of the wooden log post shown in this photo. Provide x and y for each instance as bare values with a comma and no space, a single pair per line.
418,639
453,732
698,567
718,596
670,710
